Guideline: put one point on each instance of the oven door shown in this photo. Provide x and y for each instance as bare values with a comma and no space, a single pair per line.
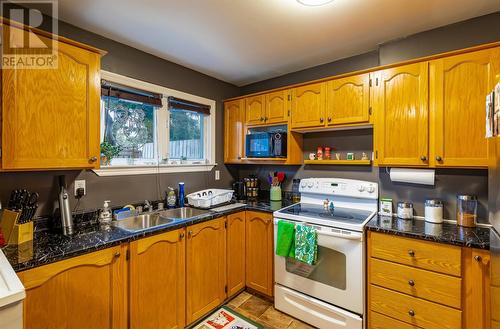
338,275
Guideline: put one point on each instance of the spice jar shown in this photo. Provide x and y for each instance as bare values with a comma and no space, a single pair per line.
405,210
466,210
327,155
296,190
319,153
434,211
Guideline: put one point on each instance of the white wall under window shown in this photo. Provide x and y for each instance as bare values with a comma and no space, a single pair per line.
162,136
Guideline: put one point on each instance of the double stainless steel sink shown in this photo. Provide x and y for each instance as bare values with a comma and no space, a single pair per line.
160,218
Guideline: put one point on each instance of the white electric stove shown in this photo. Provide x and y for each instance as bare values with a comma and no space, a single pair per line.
329,294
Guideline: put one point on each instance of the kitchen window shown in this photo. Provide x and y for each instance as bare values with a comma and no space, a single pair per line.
147,128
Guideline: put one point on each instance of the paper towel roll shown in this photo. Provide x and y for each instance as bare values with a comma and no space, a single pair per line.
414,176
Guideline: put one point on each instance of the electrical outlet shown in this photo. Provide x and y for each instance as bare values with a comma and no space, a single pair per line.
217,175
80,184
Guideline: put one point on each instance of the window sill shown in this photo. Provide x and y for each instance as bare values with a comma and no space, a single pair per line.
148,170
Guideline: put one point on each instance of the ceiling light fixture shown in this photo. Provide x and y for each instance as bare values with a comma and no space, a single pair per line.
314,3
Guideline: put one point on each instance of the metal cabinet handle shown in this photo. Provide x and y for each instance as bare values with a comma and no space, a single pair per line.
261,119
478,258
411,283
321,120
438,158
181,236
423,158
266,118
329,119
411,312
93,159
411,253
190,234
117,254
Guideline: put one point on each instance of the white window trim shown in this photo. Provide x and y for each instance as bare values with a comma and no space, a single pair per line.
162,116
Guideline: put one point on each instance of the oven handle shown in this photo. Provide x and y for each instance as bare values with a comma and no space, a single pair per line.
353,236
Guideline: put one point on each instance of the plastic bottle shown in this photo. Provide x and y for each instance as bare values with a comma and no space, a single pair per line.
181,194
106,216
171,198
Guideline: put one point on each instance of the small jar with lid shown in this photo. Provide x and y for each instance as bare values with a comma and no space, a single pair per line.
434,211
405,210
466,210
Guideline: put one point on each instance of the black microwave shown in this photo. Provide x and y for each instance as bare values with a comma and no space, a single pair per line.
266,145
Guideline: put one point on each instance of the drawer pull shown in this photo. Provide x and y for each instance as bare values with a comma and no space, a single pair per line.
411,313
117,254
478,258
411,283
411,253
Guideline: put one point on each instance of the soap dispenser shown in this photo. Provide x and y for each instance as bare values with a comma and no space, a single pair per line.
106,215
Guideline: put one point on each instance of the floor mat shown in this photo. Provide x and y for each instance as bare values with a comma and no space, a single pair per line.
226,318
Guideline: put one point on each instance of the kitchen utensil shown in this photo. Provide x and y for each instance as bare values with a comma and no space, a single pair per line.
434,211
466,210
66,216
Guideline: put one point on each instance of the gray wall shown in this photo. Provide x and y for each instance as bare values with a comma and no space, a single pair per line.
449,182
124,189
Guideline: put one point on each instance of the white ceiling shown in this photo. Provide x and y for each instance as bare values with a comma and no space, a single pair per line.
244,41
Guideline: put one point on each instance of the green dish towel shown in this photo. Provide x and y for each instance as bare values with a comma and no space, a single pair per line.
306,244
285,240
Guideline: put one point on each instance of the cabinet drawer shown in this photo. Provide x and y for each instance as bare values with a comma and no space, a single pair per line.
380,321
425,314
439,288
427,255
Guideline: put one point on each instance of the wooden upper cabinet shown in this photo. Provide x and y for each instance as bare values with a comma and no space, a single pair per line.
308,106
50,117
255,109
401,106
348,100
87,291
205,268
458,85
157,281
235,253
259,252
277,106
234,117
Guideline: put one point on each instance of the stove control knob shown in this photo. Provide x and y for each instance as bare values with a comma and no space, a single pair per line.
370,189
310,184
303,183
361,188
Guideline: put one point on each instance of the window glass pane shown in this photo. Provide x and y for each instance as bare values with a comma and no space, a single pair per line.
186,135
129,132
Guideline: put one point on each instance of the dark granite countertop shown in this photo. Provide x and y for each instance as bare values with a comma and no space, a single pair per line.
49,246
448,233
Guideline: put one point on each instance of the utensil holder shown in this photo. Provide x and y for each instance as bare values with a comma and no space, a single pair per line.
15,233
275,193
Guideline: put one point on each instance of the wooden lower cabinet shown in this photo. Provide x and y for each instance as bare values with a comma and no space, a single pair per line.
87,291
235,253
421,284
259,252
205,268
157,281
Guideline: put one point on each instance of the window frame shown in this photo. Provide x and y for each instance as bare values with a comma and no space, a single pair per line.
163,135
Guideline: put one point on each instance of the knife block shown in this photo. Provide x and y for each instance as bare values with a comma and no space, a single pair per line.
13,232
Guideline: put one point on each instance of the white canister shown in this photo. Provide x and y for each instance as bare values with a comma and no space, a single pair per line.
434,211
405,210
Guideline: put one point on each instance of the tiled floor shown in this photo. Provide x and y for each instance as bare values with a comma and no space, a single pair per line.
263,312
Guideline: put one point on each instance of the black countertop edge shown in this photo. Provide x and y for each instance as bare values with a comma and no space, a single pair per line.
447,233
49,247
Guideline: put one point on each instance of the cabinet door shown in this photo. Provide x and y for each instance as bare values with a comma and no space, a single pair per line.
157,281
277,106
477,288
348,100
235,253
205,268
458,85
255,109
50,117
402,115
259,252
87,291
234,116
308,106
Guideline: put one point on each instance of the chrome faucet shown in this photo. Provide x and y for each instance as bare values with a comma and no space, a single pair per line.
148,206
